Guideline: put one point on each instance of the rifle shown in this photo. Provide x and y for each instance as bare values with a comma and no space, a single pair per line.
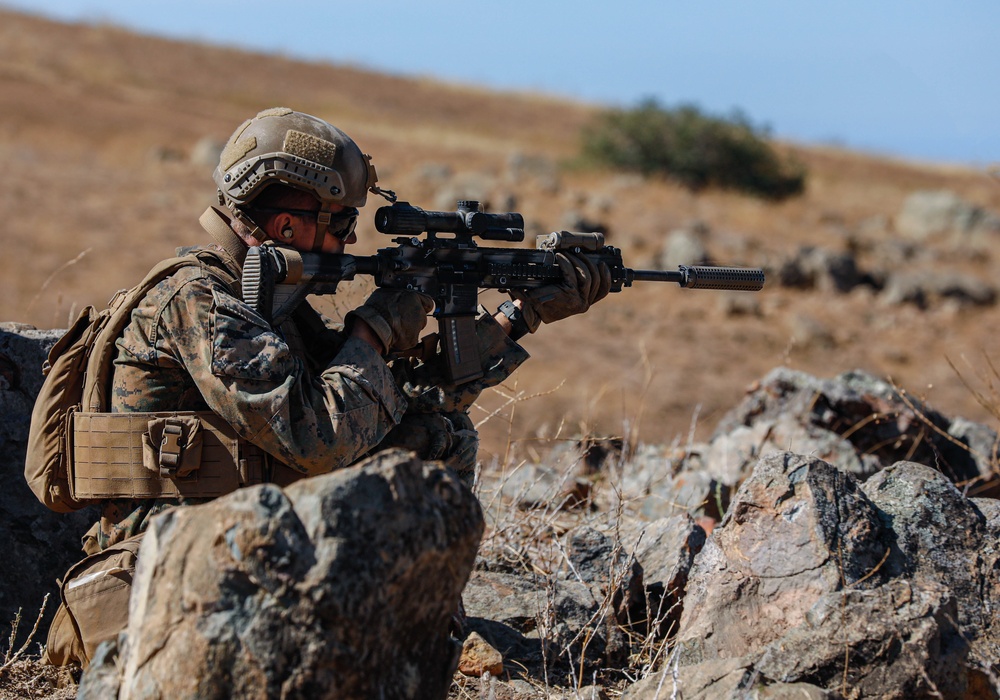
453,268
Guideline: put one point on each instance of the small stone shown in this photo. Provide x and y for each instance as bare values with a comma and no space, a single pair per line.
478,657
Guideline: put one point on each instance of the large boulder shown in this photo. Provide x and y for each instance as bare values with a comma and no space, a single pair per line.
38,543
342,585
874,590
795,530
944,538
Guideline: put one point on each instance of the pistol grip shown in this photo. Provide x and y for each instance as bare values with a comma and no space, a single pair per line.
460,346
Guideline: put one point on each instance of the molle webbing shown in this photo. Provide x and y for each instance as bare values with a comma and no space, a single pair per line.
163,455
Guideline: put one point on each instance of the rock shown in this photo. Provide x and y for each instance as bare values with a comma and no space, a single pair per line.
649,471
731,454
905,288
793,691
685,246
819,268
716,678
809,332
925,288
594,557
587,692
534,620
533,485
795,530
939,537
103,677
478,657
43,544
930,213
599,560
810,571
665,552
902,637
856,421
720,678
342,585
739,304
693,491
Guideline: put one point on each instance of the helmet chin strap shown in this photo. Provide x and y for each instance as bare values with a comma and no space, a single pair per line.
241,216
322,227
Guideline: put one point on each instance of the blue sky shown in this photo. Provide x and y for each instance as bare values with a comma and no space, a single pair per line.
915,79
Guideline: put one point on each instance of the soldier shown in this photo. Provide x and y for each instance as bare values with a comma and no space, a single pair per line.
298,399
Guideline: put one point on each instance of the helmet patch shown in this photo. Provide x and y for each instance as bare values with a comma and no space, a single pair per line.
310,147
274,112
236,151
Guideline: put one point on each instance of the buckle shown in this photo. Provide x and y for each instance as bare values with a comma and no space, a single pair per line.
171,448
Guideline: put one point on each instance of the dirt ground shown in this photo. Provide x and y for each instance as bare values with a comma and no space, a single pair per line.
100,133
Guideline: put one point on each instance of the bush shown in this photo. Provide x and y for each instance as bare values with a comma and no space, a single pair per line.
692,148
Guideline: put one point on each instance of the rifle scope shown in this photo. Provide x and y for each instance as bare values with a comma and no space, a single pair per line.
404,219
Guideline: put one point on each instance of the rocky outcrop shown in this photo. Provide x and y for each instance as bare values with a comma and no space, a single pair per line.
734,568
856,421
42,543
343,585
860,590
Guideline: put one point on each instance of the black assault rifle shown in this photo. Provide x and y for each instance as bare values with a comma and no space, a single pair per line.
452,269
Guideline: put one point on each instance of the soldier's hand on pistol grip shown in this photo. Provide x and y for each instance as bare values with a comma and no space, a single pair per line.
397,317
584,283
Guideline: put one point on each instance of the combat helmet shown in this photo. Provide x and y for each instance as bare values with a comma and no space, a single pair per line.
281,145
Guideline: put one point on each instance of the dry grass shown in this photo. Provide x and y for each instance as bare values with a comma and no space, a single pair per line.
22,675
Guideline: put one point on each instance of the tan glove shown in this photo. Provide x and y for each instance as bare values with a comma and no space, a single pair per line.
396,317
583,284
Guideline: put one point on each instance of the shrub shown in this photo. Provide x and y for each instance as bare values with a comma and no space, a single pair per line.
692,148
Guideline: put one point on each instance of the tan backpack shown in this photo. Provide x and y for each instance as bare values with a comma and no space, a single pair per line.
77,376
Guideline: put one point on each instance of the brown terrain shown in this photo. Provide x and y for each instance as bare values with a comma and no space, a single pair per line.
100,135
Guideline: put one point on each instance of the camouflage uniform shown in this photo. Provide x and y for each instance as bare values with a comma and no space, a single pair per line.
311,397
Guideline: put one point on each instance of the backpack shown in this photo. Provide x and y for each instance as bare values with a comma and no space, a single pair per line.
78,374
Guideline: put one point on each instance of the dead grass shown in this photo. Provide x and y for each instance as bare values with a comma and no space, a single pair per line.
22,675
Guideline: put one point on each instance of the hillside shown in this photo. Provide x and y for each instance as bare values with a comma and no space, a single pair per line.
102,179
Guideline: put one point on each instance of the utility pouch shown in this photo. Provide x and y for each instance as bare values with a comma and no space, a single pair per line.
95,598
171,447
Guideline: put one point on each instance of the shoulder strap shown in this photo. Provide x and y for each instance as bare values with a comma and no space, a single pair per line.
101,361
